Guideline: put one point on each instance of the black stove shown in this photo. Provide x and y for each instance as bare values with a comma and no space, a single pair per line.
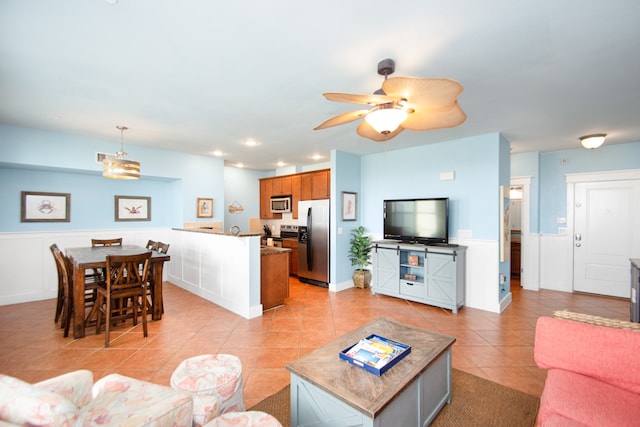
289,231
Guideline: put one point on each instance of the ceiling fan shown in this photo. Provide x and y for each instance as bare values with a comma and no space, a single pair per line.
411,103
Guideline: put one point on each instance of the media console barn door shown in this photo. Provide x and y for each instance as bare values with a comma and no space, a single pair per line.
433,275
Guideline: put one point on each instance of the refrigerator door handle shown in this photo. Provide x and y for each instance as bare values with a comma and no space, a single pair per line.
309,240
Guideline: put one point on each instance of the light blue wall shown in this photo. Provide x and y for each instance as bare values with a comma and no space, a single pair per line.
243,186
56,162
92,199
553,167
345,176
415,172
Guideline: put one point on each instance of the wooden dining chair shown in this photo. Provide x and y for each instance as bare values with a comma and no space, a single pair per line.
162,248
97,273
63,303
106,242
126,280
151,244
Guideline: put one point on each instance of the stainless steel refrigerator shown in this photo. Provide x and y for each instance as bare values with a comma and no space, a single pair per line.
313,242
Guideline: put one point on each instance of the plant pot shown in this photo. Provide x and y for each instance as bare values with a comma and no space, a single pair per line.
361,278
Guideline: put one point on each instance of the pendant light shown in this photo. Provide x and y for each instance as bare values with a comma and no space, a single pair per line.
119,167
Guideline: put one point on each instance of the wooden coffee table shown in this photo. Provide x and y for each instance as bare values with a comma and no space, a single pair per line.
326,390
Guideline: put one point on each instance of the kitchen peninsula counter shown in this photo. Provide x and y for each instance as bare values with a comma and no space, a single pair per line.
218,266
220,233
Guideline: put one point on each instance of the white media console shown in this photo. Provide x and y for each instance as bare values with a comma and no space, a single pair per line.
433,275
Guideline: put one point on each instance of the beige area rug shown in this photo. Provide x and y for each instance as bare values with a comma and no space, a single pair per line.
475,402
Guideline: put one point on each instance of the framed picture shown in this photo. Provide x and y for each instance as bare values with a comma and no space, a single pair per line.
204,208
45,207
349,206
133,208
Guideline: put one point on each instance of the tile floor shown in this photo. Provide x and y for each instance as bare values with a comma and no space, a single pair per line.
498,347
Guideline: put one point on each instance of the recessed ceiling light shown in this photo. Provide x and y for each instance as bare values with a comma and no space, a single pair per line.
239,165
316,157
250,143
217,153
280,164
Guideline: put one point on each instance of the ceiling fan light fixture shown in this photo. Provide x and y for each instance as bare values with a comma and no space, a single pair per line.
386,118
120,167
593,141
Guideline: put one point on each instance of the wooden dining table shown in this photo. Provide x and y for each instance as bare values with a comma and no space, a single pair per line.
84,258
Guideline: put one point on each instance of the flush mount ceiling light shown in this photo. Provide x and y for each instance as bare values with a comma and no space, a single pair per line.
593,141
119,167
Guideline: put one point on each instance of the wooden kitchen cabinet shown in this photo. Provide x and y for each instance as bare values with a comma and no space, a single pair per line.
266,191
320,184
305,190
302,186
274,278
296,186
293,258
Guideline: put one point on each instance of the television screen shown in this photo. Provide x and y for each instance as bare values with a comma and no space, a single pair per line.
417,220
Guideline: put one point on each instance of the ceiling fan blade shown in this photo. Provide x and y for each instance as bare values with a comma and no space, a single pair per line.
430,93
365,130
359,99
341,119
429,119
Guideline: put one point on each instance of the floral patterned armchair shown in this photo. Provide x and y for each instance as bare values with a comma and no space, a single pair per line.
73,399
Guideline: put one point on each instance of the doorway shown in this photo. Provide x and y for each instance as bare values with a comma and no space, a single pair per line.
527,268
515,227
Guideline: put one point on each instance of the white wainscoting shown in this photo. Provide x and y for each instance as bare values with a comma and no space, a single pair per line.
482,275
220,268
27,267
530,262
556,262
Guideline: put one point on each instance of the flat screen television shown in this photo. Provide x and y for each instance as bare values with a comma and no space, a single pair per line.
423,221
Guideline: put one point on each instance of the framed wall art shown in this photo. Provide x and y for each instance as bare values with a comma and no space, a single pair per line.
204,208
45,207
349,206
133,208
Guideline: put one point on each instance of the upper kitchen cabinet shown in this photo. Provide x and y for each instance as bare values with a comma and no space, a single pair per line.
316,185
281,186
296,192
301,186
266,191
321,184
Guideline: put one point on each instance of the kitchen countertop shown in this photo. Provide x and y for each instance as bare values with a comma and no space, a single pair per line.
272,250
221,233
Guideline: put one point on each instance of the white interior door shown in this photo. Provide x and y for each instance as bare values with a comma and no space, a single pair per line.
606,235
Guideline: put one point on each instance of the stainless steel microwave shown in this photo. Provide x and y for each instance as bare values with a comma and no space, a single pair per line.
280,204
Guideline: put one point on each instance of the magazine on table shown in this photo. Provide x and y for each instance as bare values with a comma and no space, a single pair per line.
375,353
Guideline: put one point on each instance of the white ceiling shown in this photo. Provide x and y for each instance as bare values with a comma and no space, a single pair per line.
201,75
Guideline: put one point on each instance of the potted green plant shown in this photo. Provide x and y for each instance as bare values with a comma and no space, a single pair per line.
359,256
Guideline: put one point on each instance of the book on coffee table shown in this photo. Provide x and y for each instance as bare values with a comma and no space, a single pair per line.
375,354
